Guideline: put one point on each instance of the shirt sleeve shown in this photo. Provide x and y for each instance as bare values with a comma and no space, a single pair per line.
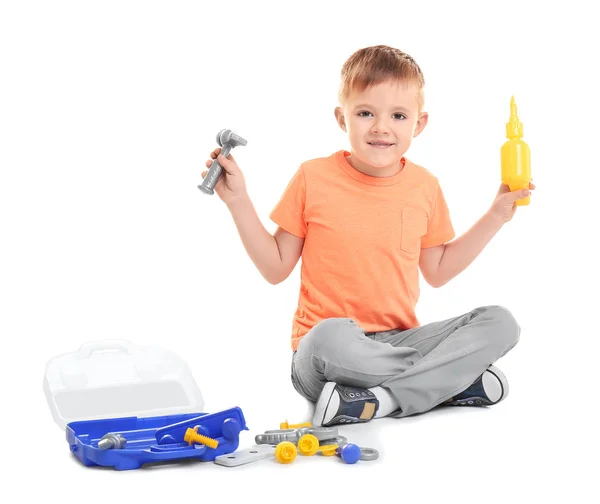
289,211
439,227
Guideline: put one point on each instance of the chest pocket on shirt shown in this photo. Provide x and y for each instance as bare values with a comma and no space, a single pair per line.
414,226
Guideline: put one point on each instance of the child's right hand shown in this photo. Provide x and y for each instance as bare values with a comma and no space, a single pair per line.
231,185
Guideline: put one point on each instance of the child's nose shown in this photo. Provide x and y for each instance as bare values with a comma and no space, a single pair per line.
381,126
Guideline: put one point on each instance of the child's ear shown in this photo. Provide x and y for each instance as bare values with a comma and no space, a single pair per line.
339,117
421,123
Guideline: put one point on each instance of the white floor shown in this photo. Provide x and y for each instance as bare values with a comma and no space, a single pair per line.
515,451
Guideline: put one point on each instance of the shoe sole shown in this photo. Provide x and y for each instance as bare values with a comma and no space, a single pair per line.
323,404
503,382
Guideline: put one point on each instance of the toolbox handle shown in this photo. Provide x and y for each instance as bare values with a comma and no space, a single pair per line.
87,349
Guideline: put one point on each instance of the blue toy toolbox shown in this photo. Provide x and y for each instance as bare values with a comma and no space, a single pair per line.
123,405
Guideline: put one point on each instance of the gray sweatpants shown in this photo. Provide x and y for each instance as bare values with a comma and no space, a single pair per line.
421,367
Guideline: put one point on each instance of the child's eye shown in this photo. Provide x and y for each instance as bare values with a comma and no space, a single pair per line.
365,113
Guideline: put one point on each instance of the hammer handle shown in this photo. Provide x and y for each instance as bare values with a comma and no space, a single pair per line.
214,173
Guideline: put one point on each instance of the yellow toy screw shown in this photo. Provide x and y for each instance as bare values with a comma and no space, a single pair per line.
191,436
286,452
286,425
308,444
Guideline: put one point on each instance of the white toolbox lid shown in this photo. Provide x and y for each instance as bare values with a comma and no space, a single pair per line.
115,378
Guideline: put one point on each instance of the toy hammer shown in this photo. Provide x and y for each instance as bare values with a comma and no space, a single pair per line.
227,139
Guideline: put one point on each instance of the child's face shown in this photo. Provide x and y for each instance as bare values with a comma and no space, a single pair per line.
381,123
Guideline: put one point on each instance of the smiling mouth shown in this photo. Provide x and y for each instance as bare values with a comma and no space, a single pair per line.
380,144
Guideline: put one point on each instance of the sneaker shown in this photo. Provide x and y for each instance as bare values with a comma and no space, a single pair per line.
490,388
339,404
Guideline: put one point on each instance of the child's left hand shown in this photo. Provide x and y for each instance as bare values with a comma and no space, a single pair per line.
504,206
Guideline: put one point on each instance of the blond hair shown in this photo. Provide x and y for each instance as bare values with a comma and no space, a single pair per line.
373,65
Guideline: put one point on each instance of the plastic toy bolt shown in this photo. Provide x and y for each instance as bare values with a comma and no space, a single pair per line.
191,436
286,452
110,441
286,425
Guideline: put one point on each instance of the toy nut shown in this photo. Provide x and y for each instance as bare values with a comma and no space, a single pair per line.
286,452
112,441
308,444
328,450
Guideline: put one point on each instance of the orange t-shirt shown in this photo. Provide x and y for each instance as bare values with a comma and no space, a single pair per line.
362,238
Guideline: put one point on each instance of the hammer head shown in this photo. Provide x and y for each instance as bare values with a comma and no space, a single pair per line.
229,137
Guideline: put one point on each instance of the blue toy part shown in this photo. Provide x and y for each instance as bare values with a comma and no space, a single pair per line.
231,428
350,453
223,426
141,435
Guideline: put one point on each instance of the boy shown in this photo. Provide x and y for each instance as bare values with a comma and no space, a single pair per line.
364,222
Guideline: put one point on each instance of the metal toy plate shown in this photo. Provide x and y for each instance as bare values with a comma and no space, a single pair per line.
246,456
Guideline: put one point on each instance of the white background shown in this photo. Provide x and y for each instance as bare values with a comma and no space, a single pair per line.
108,112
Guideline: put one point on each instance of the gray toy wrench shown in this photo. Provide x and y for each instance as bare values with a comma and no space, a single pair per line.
227,139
